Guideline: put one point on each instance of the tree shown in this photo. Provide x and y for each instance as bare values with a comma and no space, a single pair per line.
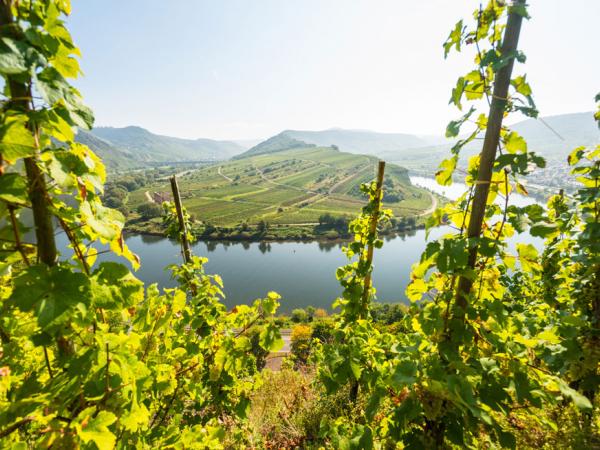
150,210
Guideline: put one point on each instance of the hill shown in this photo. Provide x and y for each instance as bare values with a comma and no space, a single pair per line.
352,141
290,187
277,143
359,141
553,137
113,157
144,146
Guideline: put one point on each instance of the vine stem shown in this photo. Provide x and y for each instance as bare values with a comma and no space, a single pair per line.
488,152
18,243
372,232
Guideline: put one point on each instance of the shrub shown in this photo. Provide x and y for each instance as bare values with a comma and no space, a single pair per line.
259,352
323,330
300,343
150,210
299,315
320,313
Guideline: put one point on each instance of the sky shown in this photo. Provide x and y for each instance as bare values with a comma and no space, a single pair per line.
241,69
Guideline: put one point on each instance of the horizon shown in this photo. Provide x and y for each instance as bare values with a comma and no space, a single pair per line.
364,130
240,72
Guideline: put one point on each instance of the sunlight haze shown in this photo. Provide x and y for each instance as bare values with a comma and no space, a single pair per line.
248,70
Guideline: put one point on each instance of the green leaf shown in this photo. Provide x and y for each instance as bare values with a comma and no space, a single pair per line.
18,57
444,175
579,400
114,285
52,293
16,141
95,429
515,143
404,373
270,338
13,188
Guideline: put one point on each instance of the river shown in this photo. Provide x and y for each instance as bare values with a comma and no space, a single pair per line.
303,273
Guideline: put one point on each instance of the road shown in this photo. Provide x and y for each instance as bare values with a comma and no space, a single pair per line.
223,175
434,205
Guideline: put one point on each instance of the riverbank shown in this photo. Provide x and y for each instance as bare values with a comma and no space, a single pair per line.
276,232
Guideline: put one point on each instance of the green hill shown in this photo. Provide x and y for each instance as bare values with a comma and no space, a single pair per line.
294,186
113,157
145,146
352,141
277,143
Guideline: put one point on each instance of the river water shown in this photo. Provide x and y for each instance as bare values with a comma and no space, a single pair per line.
303,273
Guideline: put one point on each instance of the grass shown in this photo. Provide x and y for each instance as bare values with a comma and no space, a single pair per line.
288,187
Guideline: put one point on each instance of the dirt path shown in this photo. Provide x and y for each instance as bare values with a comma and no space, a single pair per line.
434,205
149,197
223,175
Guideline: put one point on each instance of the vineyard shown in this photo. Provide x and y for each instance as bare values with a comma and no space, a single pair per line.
499,347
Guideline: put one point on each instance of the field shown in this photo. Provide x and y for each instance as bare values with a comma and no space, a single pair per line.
288,187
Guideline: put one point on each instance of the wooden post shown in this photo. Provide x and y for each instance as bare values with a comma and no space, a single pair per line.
372,230
20,98
185,245
490,144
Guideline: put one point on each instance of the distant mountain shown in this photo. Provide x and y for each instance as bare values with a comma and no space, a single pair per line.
112,157
362,142
558,135
359,141
553,137
277,143
133,147
145,146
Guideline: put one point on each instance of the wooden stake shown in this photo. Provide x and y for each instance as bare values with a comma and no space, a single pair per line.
20,98
185,245
490,144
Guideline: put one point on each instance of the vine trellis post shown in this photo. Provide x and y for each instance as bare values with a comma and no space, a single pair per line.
20,98
490,145
185,244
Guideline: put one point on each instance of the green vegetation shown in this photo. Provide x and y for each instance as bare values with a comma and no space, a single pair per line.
284,195
499,348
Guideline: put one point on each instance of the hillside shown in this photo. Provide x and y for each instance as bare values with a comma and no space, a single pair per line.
277,143
145,146
553,137
352,141
359,141
294,186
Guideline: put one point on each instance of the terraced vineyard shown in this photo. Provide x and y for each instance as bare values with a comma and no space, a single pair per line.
289,187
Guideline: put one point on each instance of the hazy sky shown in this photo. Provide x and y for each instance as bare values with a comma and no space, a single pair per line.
235,69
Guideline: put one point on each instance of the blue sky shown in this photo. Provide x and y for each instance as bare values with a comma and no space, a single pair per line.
237,69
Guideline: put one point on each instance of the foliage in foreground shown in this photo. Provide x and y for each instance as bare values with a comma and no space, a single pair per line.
493,336
89,357
496,333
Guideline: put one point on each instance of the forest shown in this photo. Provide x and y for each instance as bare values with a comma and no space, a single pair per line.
498,348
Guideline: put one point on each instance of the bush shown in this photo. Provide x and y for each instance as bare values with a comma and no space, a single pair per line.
299,315
253,334
301,339
150,210
323,330
388,313
320,313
